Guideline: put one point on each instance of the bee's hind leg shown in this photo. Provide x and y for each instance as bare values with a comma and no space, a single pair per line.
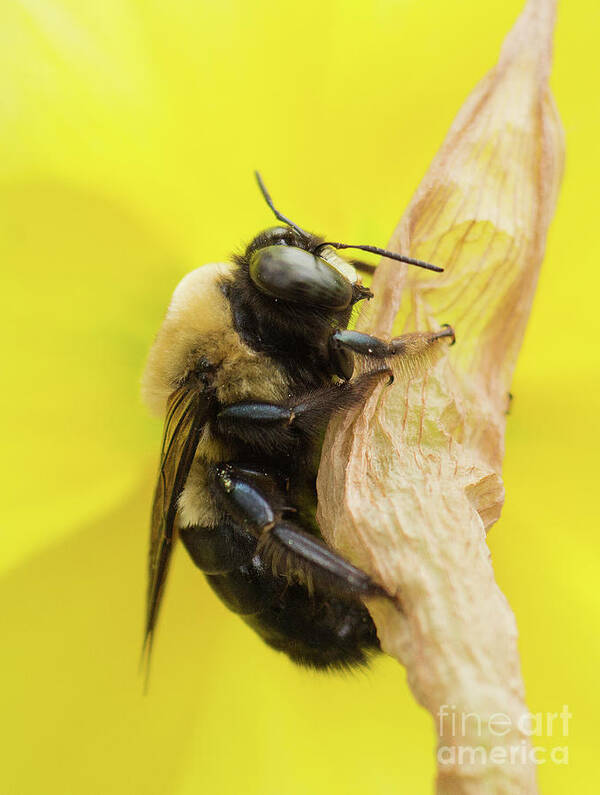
285,546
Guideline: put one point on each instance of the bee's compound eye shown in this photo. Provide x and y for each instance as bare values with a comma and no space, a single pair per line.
293,274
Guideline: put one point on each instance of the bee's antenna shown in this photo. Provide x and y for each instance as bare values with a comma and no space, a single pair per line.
384,253
372,249
278,215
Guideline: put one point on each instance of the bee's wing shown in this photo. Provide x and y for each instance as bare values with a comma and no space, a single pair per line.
187,410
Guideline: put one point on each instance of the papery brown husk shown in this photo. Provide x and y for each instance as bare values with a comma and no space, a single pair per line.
409,484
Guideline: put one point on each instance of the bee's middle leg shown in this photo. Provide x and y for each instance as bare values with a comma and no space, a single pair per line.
272,427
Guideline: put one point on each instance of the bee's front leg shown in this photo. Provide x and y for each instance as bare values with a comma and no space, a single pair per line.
410,353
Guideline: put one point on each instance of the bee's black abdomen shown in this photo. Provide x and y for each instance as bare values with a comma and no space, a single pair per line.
315,630
218,550
241,591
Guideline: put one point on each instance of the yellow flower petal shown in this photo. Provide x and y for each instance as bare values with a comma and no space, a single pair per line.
129,130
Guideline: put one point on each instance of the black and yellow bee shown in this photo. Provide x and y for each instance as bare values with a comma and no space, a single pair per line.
250,363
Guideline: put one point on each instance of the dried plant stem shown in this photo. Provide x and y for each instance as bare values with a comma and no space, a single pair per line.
409,485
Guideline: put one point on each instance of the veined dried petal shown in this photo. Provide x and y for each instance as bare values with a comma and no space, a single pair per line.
409,484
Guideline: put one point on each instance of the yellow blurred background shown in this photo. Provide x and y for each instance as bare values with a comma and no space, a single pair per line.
128,134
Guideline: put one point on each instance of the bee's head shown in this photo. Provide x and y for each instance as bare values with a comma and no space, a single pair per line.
290,264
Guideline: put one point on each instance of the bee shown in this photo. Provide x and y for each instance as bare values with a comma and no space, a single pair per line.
252,360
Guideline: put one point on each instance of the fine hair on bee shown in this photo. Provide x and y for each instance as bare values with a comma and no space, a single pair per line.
252,360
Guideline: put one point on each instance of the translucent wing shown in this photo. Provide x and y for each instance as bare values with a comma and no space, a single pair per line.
187,410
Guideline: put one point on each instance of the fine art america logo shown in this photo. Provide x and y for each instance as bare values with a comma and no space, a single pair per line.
471,737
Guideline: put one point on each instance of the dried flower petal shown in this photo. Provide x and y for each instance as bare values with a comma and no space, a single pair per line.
409,484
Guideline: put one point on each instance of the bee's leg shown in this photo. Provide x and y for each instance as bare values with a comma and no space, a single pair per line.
289,550
224,545
409,353
276,426
301,557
